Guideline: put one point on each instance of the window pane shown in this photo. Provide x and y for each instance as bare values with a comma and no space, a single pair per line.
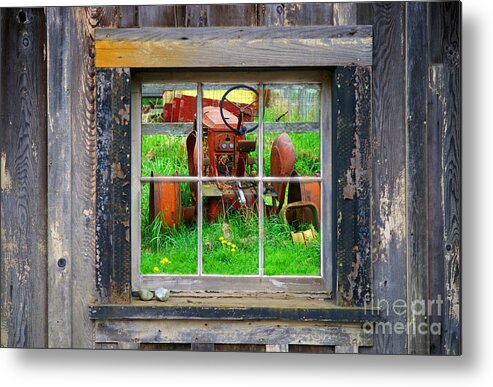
168,115
292,233
294,110
230,229
168,228
230,130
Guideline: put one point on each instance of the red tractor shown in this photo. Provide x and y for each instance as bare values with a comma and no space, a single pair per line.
226,152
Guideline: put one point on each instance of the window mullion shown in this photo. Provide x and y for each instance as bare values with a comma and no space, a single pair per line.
199,183
261,175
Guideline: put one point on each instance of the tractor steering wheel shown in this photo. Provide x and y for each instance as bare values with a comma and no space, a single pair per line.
241,130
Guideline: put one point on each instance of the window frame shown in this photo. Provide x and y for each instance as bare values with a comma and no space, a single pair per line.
346,50
257,282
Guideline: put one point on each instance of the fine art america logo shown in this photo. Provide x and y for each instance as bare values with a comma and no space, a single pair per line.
399,317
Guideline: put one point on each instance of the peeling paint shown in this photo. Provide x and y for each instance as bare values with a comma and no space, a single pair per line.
5,175
117,172
354,172
354,273
392,209
453,286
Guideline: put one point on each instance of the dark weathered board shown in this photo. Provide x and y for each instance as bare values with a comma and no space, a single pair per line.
257,332
416,174
128,16
145,312
295,14
351,122
444,149
345,14
113,184
160,15
389,169
257,47
104,148
59,178
221,15
23,168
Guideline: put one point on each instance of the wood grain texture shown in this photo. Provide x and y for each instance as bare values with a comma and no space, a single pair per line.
344,14
220,15
416,175
128,16
295,14
59,179
160,15
435,229
151,311
389,168
23,168
236,332
84,22
256,47
223,283
445,165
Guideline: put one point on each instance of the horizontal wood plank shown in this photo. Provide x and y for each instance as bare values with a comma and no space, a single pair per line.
160,311
225,283
109,332
238,47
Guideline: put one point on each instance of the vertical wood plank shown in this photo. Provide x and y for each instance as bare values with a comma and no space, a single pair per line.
221,15
416,176
388,171
160,15
129,16
351,122
104,145
113,255
435,229
344,14
85,20
444,165
120,159
364,13
295,14
59,179
23,173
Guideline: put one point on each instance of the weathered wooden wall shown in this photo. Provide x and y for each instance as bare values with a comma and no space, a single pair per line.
23,207
48,162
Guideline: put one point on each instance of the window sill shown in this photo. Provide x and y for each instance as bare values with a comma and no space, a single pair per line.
311,306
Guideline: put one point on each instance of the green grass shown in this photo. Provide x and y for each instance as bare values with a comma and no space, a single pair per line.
165,155
240,257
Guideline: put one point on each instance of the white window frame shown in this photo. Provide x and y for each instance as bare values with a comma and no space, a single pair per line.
260,282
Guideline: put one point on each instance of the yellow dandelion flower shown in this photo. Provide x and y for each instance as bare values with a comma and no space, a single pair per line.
162,261
155,269
223,242
233,250
229,243
233,246
221,238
